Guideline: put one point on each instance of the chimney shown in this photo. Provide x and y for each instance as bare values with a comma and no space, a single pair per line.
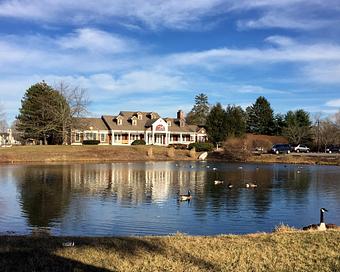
180,115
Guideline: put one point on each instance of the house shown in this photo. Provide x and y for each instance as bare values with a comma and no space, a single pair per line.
6,138
129,126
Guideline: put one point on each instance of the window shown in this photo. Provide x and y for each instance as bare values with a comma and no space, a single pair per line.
119,121
169,123
139,116
134,122
102,137
77,137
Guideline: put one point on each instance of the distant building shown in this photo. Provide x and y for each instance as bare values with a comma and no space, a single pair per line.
128,126
6,138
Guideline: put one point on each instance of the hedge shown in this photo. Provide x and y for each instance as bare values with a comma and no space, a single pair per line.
91,142
138,142
200,147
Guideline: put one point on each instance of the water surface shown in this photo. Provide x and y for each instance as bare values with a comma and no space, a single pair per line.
141,198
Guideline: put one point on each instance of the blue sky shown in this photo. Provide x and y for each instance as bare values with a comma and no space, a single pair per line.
157,55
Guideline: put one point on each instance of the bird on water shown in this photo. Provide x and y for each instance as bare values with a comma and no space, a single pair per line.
186,197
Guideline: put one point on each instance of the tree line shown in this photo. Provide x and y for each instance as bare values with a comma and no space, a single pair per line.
259,118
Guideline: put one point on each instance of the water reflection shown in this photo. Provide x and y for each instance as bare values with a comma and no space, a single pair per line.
141,198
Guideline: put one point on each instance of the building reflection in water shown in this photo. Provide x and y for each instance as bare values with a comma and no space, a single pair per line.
135,183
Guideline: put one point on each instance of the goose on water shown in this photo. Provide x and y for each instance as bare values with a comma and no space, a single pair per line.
186,197
218,182
251,185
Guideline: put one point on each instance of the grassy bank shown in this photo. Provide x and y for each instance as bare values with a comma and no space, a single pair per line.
289,251
27,154
321,159
88,153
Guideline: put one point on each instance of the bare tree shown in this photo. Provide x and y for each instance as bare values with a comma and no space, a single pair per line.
3,122
329,133
77,104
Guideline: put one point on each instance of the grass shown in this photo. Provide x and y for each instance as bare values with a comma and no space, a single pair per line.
282,251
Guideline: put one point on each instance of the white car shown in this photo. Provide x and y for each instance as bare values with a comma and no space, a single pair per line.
301,148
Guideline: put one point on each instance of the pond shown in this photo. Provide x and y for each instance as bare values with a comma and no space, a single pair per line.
141,198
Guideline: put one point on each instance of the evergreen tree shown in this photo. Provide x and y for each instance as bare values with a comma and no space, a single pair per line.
236,120
260,117
298,127
216,124
41,113
198,114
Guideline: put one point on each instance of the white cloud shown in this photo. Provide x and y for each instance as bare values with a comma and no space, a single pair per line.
285,51
176,14
96,41
333,103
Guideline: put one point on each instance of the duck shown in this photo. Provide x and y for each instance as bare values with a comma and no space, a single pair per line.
214,169
251,185
230,186
186,197
240,167
218,182
322,226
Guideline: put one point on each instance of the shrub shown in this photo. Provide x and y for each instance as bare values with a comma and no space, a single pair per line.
138,142
236,149
91,142
178,146
201,147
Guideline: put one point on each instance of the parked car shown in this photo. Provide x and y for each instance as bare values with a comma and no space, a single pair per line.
301,148
280,148
333,149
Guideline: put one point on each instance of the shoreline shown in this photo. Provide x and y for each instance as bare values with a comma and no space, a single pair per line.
107,154
278,251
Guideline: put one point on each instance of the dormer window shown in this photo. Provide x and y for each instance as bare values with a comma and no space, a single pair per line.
134,120
169,123
119,120
152,115
139,116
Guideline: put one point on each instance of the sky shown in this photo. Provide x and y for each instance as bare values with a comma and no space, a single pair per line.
154,55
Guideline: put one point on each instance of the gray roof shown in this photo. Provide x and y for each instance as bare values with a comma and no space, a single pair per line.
145,123
86,123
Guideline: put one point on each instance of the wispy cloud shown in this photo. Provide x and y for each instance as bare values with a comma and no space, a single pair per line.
95,40
333,103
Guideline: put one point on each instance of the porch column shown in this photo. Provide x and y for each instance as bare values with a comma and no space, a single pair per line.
180,138
112,137
129,140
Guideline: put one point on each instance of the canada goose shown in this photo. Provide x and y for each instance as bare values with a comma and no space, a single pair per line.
185,197
191,166
298,172
251,185
240,167
230,186
214,168
322,225
218,182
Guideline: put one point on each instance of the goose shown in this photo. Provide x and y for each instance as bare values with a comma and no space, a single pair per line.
322,226
214,168
218,182
230,186
240,167
186,197
251,185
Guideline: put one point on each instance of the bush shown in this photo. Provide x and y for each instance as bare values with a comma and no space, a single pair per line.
138,142
201,147
178,146
91,142
236,149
